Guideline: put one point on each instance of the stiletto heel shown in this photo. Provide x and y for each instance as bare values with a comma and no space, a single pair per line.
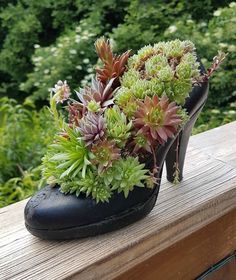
176,155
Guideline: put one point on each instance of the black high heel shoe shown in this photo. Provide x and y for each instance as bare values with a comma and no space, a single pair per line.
52,215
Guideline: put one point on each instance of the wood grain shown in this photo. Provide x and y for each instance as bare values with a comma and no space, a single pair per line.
194,254
207,193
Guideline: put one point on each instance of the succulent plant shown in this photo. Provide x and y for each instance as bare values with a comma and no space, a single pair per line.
99,94
75,115
114,65
67,156
92,128
92,184
125,174
165,69
157,119
104,153
118,128
62,91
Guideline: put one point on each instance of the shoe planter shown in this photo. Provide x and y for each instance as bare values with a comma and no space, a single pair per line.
104,167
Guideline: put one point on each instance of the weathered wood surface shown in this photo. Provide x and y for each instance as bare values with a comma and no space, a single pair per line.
190,257
207,193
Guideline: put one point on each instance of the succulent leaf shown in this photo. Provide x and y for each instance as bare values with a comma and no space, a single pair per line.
157,119
92,128
114,65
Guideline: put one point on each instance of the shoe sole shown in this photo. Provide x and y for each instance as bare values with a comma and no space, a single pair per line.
109,224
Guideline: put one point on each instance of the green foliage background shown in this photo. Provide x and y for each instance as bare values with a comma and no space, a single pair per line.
44,41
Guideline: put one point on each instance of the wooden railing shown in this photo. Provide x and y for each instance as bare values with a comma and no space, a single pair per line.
192,226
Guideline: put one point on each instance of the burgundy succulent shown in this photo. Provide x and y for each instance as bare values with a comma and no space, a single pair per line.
157,119
114,65
92,128
75,113
98,92
105,152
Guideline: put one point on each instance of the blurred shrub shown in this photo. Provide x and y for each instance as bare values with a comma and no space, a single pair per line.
18,188
70,58
24,24
24,134
146,21
211,118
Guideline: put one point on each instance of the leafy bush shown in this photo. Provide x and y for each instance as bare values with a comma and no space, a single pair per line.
18,188
24,134
52,63
211,118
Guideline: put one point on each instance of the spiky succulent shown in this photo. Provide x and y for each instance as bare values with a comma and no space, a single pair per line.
118,127
67,156
99,94
157,119
125,174
104,153
113,65
92,184
92,128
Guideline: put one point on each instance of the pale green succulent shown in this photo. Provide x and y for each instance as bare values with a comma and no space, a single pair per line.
92,184
167,68
125,174
67,156
118,127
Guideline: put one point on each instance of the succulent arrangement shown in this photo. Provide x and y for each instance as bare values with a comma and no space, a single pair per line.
133,105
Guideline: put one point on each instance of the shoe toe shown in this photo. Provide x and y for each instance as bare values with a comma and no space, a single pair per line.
50,209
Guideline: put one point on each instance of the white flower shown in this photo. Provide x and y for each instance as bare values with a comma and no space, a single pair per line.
189,21
46,71
78,29
223,45
203,24
84,37
90,70
172,28
36,46
37,58
232,4
231,112
79,67
82,52
60,45
85,32
73,51
231,48
53,49
86,60
77,38
217,13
